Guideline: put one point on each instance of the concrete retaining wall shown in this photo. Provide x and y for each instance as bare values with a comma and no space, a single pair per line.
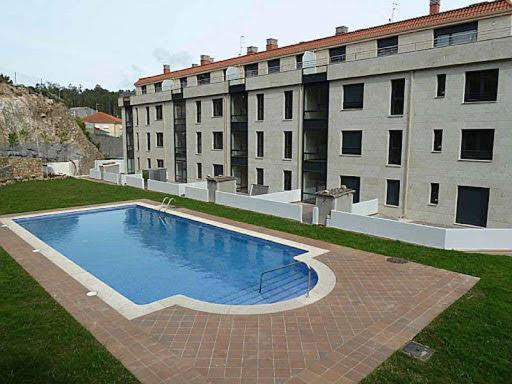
176,189
135,181
283,197
200,194
95,174
111,177
366,208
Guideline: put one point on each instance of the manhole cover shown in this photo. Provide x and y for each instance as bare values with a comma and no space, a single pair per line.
396,260
418,351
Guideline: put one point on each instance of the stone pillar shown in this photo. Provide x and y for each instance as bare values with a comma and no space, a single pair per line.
220,183
338,199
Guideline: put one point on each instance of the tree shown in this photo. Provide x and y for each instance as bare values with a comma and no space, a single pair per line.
5,79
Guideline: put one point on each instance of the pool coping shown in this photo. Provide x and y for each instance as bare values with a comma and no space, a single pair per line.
130,310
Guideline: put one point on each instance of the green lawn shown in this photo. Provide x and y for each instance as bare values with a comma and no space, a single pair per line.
472,339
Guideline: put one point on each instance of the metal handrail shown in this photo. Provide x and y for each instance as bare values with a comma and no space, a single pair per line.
287,266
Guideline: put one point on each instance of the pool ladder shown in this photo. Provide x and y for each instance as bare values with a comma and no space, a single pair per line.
166,203
287,266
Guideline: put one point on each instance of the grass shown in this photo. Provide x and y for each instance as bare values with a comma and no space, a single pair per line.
472,339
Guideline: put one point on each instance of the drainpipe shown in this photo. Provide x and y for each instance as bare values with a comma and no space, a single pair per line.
300,136
410,112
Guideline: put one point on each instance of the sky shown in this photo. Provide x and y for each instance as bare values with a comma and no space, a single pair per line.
114,42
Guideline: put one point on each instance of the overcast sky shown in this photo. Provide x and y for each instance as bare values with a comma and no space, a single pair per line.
114,42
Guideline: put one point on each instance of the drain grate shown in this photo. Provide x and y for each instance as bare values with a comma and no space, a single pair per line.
418,351
396,260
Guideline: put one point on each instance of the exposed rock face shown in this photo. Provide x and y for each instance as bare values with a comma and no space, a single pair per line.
32,125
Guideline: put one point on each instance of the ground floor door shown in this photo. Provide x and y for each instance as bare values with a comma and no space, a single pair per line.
472,206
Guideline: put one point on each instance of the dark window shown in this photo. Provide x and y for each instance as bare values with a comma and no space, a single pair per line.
397,96
288,145
477,144
203,78
137,115
251,70
259,176
456,34
288,105
159,139
199,142
274,65
159,163
438,140
148,141
198,111
337,55
260,107
183,82
351,142
199,170
434,193
353,96
472,206
352,182
287,182
181,171
298,60
149,163
481,86
217,107
395,148
144,89
148,120
441,85
218,140
393,192
218,170
158,87
159,112
387,46
259,144
138,142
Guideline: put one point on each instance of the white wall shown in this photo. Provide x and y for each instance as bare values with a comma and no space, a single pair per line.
485,239
283,197
111,177
121,163
255,204
366,208
195,193
135,181
62,168
95,174
165,187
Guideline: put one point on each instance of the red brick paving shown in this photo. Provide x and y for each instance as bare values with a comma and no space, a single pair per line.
374,309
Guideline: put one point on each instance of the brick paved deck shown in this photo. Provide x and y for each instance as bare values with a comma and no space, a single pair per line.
374,309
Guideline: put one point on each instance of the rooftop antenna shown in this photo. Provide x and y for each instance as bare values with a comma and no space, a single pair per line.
242,45
393,11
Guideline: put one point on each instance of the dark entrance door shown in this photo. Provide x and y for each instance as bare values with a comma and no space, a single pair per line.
472,206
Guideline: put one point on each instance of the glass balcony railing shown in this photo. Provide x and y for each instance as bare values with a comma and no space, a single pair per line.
239,153
319,114
239,118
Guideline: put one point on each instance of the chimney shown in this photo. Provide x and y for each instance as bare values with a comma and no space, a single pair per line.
435,7
341,30
167,68
271,44
205,59
252,49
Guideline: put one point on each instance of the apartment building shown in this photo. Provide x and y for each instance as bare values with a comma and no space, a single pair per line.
415,113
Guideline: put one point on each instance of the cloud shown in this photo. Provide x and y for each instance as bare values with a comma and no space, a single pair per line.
175,60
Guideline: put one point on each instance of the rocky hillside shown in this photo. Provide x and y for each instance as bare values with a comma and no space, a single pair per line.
32,125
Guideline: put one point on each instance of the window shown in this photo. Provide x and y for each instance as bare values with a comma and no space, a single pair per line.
183,82
149,163
352,182
288,145
438,140
441,85
393,192
397,97
395,148
199,143
137,115
259,144
287,180
159,112
260,107
456,34
159,139
387,46
259,176
351,142
198,111
138,142
288,105
481,86
218,170
218,140
147,116
158,87
472,206
353,95
274,65
203,78
298,61
138,163
144,89
251,70
337,55
159,163
148,141
434,193
218,107
477,144
199,170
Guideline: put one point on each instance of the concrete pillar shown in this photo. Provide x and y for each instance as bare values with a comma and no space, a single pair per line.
337,199
220,183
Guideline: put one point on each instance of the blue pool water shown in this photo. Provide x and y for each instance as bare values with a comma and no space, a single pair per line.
146,258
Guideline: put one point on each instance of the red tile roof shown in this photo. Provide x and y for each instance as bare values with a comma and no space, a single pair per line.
448,17
102,118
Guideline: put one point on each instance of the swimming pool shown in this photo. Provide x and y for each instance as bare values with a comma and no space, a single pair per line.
147,256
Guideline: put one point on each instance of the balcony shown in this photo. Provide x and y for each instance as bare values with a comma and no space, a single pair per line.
180,151
318,114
